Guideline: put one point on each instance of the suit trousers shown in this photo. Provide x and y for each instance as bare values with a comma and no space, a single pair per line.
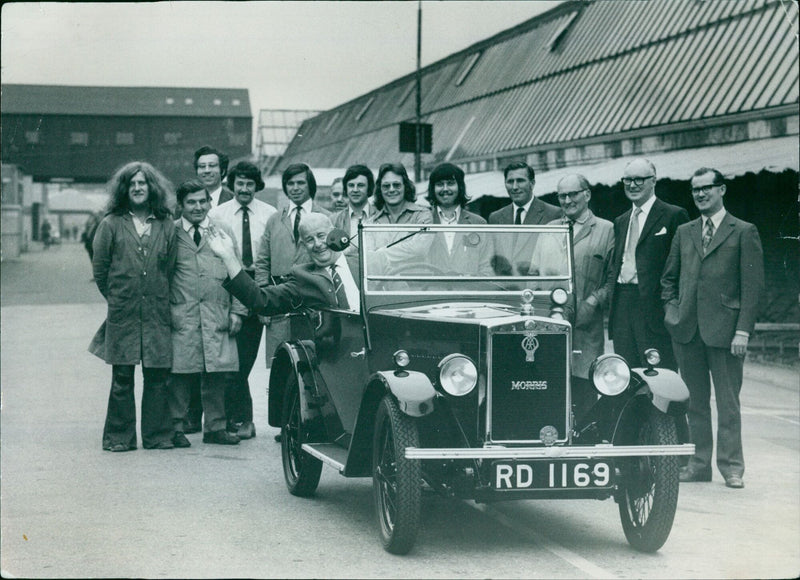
631,333
120,426
212,389
697,360
238,401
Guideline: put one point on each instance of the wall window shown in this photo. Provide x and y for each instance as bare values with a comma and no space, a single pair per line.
31,137
236,102
363,110
79,138
124,138
469,62
172,138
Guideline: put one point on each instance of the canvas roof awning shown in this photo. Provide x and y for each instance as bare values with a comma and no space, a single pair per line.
732,160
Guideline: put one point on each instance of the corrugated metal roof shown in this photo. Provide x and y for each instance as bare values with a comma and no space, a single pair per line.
619,66
124,101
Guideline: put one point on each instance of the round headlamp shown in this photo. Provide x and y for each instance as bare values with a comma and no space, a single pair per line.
401,358
610,374
457,375
559,296
652,356
527,296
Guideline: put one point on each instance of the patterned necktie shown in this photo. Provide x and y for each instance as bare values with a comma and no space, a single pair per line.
628,272
338,288
296,230
518,218
196,235
708,235
247,245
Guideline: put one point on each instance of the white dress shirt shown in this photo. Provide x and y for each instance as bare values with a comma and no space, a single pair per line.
188,226
642,218
214,195
230,213
450,236
525,209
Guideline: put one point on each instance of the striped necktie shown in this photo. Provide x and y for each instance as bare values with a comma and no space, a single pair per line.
708,235
338,288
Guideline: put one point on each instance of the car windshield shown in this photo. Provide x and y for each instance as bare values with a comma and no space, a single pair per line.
465,259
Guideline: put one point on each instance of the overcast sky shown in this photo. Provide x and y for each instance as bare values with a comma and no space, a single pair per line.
290,55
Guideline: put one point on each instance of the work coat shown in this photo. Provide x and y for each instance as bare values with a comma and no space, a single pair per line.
200,308
132,273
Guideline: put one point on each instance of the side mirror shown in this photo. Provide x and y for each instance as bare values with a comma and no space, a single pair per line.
337,240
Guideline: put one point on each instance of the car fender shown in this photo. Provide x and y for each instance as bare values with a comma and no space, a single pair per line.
666,388
414,394
293,358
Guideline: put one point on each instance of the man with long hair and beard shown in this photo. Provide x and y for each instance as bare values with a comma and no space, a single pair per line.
132,263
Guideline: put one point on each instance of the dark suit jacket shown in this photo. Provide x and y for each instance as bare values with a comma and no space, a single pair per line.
719,292
651,255
307,286
225,195
472,252
519,255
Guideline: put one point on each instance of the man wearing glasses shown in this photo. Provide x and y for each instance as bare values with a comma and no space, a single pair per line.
712,285
593,249
642,238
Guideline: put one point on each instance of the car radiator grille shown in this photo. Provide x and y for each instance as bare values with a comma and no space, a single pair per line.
526,395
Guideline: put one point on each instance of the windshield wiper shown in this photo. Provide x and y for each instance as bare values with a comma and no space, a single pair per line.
423,229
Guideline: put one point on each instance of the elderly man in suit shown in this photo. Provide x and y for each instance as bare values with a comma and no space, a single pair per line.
447,195
593,250
523,209
712,285
204,321
359,184
324,282
247,217
642,238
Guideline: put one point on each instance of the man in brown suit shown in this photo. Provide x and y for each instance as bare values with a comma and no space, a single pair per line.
712,284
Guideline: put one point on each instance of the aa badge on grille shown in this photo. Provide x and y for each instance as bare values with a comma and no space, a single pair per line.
529,344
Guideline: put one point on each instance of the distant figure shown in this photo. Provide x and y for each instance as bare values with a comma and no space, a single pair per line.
712,285
338,199
514,252
642,238
133,261
74,232
46,231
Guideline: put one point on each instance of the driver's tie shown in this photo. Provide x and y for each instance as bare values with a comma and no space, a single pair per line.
338,288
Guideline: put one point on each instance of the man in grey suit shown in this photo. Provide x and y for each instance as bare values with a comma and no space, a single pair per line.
280,246
524,209
712,285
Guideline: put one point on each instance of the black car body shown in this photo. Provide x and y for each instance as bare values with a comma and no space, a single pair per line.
462,380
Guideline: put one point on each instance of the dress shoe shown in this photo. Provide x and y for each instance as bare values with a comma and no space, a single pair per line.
690,474
246,430
221,437
180,440
119,447
190,427
734,481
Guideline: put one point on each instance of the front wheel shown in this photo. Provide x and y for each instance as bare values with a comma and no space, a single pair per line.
396,481
649,487
301,470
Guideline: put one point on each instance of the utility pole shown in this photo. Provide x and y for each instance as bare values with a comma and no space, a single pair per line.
418,139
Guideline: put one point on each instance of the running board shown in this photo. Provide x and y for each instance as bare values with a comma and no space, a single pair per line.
328,453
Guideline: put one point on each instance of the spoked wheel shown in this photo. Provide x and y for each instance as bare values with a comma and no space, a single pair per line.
396,481
301,470
649,490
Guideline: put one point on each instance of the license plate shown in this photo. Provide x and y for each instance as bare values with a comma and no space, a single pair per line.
577,474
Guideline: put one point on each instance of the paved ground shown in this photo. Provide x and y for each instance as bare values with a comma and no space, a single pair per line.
72,510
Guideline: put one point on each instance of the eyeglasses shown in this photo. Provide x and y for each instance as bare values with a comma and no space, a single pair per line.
573,195
398,185
637,181
705,189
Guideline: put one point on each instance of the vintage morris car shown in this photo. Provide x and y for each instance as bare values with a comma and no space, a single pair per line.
454,373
